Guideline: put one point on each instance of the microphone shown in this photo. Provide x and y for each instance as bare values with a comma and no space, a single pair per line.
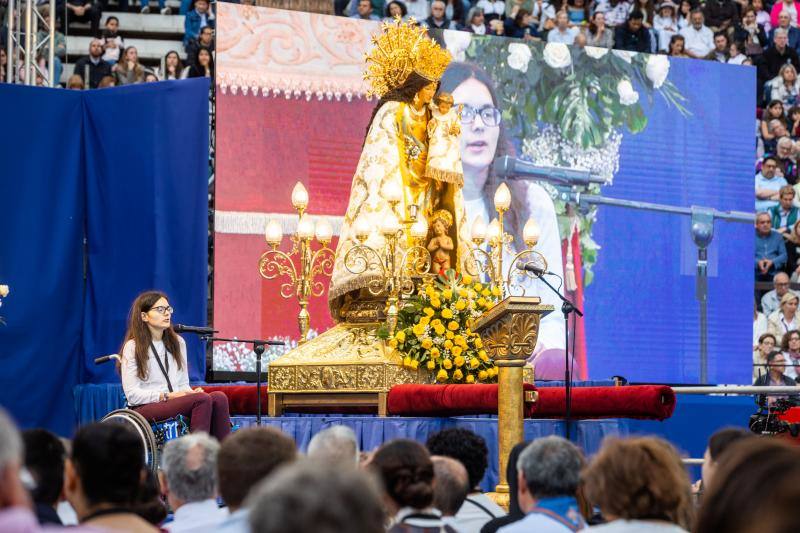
530,267
199,330
511,167
105,359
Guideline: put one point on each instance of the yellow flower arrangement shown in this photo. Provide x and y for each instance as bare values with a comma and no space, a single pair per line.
433,333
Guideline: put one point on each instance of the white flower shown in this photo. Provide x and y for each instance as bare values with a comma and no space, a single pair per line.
519,55
627,96
657,69
557,55
457,43
3,291
625,55
595,52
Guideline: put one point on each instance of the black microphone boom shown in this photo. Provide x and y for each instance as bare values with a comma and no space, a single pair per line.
105,358
199,330
511,167
536,270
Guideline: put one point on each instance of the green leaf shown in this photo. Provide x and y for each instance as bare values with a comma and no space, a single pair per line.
636,119
382,332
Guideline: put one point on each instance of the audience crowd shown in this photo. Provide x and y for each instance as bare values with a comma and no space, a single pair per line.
256,480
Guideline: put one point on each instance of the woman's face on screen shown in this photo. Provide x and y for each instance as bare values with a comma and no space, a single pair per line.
478,141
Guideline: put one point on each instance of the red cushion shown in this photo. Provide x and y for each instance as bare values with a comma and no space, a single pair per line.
639,401
444,400
241,398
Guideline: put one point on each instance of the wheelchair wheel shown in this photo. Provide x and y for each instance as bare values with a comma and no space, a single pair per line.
141,427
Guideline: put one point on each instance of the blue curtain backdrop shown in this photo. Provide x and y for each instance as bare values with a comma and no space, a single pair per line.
147,211
41,259
127,169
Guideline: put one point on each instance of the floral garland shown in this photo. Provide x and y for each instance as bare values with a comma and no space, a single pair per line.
433,329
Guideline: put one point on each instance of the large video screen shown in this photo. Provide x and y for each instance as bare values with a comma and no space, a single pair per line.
291,107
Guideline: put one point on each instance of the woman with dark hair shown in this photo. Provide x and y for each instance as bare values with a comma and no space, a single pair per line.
597,33
405,469
676,46
394,9
578,12
483,139
520,27
203,65
155,376
173,66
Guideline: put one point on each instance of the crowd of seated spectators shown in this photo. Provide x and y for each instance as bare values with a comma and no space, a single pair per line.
256,480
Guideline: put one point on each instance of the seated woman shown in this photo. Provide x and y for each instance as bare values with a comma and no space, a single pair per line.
155,374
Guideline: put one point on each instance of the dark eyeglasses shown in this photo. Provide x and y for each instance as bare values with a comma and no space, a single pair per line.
490,115
163,310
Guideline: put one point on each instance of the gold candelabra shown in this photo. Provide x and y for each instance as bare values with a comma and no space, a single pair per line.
377,255
302,274
490,261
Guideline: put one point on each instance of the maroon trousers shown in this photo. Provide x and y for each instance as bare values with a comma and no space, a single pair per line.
206,412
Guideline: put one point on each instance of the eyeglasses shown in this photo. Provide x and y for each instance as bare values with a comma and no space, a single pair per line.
163,310
490,115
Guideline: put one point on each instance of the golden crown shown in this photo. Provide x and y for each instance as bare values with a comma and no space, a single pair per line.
444,215
400,49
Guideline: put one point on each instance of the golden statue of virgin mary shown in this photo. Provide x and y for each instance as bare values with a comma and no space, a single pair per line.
403,68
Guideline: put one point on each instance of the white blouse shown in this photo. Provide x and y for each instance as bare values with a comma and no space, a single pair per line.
141,391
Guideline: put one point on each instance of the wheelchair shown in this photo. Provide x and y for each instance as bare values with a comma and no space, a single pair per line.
153,435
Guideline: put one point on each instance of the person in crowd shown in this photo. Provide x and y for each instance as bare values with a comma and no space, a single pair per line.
786,318
562,33
778,55
204,40
646,8
639,484
597,33
766,345
189,482
245,459
162,7
309,496
438,19
44,460
771,301
515,5
150,76
129,70
455,11
154,370
496,27
768,184
544,14
665,24
103,476
770,256
59,51
450,488
790,7
790,346
718,443
3,65
203,64
792,33
759,327
578,12
419,9
784,215
616,11
699,38
172,66
777,129
514,512
548,477
395,9
492,9
721,46
753,489
773,111
736,56
785,86
107,81
750,33
685,14
762,16
406,472
676,46
93,64
81,11
471,451
521,26
793,115
721,15
632,35
336,445
112,41
75,83
775,377
364,11
475,21
197,19
149,503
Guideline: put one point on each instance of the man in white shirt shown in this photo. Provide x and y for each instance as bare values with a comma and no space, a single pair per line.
189,482
699,38
562,33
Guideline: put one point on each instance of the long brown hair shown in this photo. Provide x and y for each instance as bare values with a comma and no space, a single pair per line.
139,333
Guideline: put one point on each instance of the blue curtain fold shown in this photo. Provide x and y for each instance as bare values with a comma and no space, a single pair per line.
147,211
41,258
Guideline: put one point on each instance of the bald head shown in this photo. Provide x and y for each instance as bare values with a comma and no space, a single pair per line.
781,283
450,484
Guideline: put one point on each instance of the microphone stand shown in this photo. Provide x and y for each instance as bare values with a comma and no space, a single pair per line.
567,308
258,347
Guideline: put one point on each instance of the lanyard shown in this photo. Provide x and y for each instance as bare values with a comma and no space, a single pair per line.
164,371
